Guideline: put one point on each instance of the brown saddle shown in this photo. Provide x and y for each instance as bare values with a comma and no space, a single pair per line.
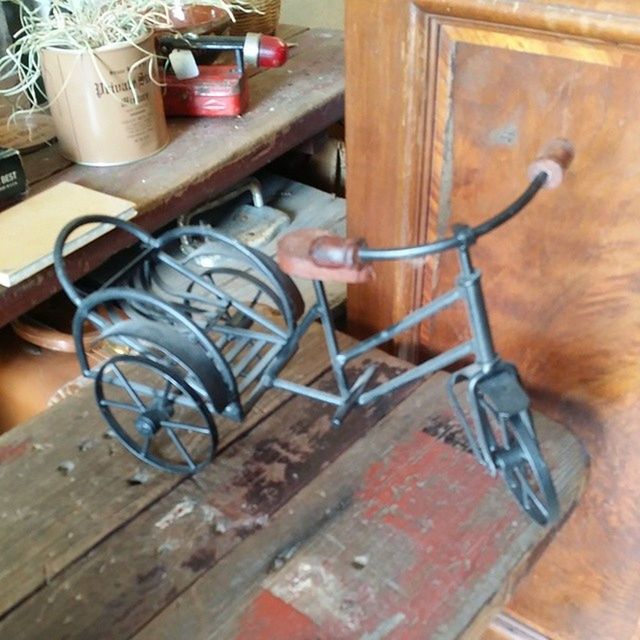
315,254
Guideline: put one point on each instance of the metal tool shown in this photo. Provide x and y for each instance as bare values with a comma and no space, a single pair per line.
252,224
218,89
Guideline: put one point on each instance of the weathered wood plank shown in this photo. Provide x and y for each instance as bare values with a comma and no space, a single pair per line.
441,539
207,155
432,564
49,519
130,577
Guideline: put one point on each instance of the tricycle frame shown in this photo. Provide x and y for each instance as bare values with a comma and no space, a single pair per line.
184,336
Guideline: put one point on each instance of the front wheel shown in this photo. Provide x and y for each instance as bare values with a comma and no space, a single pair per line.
519,461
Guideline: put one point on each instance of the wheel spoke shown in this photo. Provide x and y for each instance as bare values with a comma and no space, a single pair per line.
118,405
254,302
181,448
169,424
529,493
165,394
149,386
127,385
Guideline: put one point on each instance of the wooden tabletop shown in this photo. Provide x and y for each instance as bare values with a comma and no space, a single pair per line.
384,528
204,157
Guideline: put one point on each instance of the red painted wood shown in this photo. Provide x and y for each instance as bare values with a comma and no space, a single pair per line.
269,617
428,499
433,526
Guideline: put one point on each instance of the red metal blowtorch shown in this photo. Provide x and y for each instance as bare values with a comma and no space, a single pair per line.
195,86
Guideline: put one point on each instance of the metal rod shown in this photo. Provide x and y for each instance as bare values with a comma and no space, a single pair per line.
250,355
235,349
120,273
330,338
217,43
307,392
418,251
228,330
259,368
282,359
469,285
406,323
209,286
407,253
429,366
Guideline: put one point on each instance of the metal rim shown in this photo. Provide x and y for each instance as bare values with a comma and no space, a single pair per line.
228,311
519,461
176,331
252,260
152,412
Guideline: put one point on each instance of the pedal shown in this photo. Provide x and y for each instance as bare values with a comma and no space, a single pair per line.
354,393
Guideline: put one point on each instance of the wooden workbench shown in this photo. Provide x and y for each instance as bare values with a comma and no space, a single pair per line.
385,528
205,156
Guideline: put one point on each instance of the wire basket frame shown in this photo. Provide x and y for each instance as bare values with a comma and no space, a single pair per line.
264,22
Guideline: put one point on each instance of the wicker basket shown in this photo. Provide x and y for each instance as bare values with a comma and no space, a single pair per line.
264,22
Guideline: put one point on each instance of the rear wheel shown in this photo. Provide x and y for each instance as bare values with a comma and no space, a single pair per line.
156,414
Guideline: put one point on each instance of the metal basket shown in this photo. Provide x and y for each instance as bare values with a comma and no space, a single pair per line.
264,22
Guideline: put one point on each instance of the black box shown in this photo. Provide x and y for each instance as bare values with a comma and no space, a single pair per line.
13,181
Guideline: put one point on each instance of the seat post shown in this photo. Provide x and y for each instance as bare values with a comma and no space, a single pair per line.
330,337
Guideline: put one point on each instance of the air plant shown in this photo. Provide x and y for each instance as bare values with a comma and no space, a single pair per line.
85,25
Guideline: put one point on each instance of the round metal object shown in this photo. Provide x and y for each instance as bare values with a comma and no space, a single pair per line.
179,278
224,308
207,373
518,460
156,414
234,294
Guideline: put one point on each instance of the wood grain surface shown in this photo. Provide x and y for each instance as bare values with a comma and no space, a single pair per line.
386,50
89,553
611,20
149,560
38,500
561,285
439,540
561,280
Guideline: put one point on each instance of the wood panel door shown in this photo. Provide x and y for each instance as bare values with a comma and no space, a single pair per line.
469,93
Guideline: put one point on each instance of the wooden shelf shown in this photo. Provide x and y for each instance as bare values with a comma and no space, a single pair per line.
288,106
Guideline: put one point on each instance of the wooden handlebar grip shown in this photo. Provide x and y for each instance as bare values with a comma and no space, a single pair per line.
334,252
554,161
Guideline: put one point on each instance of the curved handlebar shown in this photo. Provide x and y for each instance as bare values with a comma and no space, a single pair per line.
546,171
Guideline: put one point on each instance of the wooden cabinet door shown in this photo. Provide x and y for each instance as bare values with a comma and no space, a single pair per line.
561,279
447,103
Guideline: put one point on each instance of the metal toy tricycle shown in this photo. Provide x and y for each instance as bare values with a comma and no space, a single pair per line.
199,325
